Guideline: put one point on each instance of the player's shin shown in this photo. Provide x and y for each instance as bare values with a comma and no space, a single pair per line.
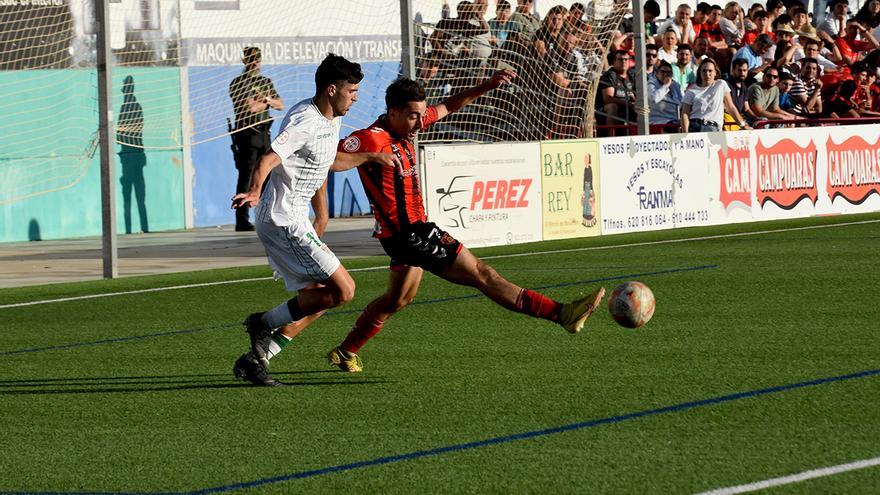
364,329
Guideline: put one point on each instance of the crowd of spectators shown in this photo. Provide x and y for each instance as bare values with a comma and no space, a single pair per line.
555,57
710,67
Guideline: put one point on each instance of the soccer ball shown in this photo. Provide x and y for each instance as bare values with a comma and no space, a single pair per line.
631,304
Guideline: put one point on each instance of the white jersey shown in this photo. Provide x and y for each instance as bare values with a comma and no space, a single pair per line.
307,147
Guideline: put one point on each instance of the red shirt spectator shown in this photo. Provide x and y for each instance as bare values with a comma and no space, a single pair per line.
850,47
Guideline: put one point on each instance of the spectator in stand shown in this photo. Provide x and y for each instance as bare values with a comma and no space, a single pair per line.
748,24
664,96
739,85
684,72
547,37
702,49
617,92
754,54
627,44
851,48
869,15
447,40
650,62
811,48
783,51
731,24
764,98
775,8
713,30
864,95
479,38
786,81
835,23
800,20
680,24
700,19
500,26
650,12
524,25
576,18
703,104
873,103
669,48
841,105
806,91
568,73
762,26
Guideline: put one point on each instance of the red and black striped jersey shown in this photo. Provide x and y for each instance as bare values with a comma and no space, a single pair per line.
394,193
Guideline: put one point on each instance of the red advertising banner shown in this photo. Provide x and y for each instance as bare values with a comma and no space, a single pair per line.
735,180
786,173
853,169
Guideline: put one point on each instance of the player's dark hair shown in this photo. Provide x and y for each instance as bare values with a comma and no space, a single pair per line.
336,70
738,62
402,92
704,8
652,7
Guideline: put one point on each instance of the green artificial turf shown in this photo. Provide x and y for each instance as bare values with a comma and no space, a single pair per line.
134,393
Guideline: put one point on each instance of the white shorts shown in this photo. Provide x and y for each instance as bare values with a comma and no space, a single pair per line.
296,254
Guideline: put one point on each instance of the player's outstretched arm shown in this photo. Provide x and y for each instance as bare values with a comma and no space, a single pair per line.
459,100
345,161
252,196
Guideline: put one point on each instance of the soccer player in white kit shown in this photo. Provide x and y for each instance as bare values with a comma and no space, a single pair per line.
306,151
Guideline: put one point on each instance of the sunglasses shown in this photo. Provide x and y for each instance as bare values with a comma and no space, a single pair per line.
651,54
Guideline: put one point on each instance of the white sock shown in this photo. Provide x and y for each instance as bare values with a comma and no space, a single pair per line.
278,343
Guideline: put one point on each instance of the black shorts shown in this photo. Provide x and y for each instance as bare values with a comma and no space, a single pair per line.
422,244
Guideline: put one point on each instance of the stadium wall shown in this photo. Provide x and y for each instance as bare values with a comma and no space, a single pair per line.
645,183
51,187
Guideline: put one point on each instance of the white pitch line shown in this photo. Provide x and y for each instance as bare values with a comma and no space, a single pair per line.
373,268
795,478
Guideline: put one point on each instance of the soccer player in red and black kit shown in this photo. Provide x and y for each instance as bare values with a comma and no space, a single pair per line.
413,243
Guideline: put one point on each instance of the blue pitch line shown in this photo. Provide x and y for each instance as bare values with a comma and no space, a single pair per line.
119,339
684,406
342,312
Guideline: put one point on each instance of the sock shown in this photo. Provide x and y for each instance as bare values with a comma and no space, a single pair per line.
279,342
363,330
535,304
283,314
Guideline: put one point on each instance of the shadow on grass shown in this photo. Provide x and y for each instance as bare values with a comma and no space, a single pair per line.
162,383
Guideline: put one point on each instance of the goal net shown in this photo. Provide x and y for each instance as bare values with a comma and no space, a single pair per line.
173,60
